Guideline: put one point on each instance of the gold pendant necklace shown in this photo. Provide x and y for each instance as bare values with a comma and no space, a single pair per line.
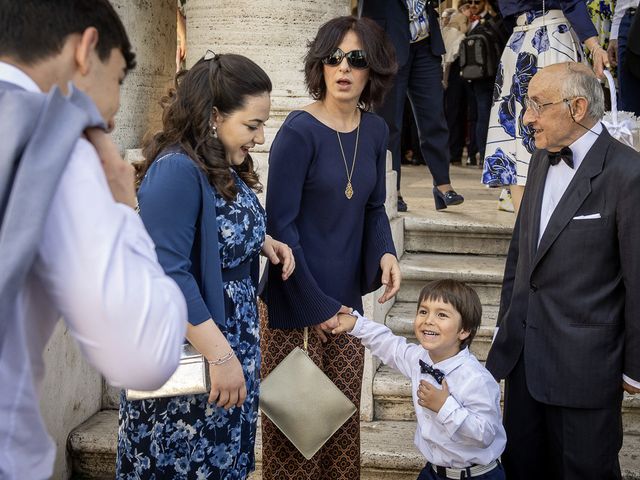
348,191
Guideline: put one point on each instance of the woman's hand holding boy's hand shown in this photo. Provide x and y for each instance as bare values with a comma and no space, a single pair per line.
346,323
278,252
431,397
328,325
390,276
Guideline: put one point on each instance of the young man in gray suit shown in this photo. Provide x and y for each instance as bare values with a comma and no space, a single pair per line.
71,244
568,341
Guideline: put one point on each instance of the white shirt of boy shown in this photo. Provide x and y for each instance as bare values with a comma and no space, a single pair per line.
468,428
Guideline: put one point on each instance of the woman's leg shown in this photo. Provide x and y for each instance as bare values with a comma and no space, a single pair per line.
517,191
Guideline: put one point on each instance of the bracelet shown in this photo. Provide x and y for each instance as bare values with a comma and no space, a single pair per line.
221,360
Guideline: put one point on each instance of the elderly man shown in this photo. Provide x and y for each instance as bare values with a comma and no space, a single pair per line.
568,341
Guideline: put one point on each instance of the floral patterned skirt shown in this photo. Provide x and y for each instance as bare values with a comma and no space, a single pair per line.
537,41
186,437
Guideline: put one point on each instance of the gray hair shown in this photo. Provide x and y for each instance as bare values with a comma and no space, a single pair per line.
580,82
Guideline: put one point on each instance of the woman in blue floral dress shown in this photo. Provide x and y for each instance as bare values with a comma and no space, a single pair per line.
198,203
545,33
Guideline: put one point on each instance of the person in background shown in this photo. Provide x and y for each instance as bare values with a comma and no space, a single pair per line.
455,94
197,200
415,32
325,198
70,220
540,38
480,91
629,84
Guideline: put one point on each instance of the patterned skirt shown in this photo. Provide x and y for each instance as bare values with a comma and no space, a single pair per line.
342,360
537,41
187,437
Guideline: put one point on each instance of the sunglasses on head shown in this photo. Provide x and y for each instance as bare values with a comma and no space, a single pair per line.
355,58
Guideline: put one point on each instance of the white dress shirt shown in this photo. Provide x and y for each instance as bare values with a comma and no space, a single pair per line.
558,178
96,266
468,428
619,11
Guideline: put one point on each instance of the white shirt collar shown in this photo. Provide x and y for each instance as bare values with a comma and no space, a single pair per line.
450,364
582,145
11,74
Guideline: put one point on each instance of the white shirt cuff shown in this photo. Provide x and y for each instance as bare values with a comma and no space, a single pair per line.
449,406
633,383
359,323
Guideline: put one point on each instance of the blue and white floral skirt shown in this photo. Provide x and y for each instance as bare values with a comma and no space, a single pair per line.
537,41
180,438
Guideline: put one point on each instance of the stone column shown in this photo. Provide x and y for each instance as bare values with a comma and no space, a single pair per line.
151,27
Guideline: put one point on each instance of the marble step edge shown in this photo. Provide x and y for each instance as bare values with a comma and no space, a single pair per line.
444,224
387,450
402,315
467,268
391,384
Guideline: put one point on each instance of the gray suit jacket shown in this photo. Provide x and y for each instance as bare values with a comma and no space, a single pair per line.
571,305
39,134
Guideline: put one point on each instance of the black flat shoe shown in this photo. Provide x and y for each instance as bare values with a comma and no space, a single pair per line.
444,200
402,206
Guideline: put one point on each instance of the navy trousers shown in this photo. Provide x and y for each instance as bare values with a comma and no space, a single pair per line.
558,443
421,79
629,99
482,91
427,473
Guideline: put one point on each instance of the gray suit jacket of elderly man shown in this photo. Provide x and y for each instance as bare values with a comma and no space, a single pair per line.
35,145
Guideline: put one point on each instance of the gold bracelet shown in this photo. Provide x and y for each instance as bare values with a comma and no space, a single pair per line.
221,360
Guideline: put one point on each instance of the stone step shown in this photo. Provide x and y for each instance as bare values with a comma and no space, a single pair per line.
483,273
392,401
387,450
449,234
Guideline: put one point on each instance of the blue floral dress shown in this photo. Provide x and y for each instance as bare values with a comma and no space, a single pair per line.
539,39
186,437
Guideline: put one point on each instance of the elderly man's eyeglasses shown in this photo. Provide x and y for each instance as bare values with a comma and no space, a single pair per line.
355,58
536,108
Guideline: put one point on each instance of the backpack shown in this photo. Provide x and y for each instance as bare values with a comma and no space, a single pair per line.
481,49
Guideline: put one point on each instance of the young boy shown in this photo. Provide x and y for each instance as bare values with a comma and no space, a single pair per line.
457,401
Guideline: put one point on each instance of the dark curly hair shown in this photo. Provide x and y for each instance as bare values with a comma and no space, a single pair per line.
380,54
224,82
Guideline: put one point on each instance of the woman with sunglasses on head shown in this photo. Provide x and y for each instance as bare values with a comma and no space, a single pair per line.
325,198
546,32
198,203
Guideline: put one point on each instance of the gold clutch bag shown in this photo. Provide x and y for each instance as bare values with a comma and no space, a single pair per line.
190,378
303,403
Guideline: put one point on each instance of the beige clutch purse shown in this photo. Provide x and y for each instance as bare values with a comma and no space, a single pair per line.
303,403
190,378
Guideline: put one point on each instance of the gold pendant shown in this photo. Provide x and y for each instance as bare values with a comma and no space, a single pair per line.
348,192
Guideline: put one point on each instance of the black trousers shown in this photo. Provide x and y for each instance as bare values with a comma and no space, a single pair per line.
558,443
421,79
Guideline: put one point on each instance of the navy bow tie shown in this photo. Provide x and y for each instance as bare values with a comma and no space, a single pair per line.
434,372
565,154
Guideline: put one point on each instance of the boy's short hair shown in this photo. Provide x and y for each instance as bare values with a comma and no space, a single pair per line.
33,30
461,297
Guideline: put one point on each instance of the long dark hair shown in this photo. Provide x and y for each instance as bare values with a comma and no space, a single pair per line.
223,82
375,42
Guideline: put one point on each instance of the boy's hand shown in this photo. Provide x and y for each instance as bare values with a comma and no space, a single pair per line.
345,323
432,397
120,174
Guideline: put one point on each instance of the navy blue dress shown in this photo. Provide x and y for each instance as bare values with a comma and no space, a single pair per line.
186,437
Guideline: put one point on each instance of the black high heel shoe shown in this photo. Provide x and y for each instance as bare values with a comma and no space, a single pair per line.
444,200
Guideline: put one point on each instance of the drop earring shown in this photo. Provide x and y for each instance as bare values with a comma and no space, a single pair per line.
213,130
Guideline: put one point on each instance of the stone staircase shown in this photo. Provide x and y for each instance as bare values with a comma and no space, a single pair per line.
467,243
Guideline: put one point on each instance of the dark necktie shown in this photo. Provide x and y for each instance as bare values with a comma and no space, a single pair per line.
565,154
434,372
